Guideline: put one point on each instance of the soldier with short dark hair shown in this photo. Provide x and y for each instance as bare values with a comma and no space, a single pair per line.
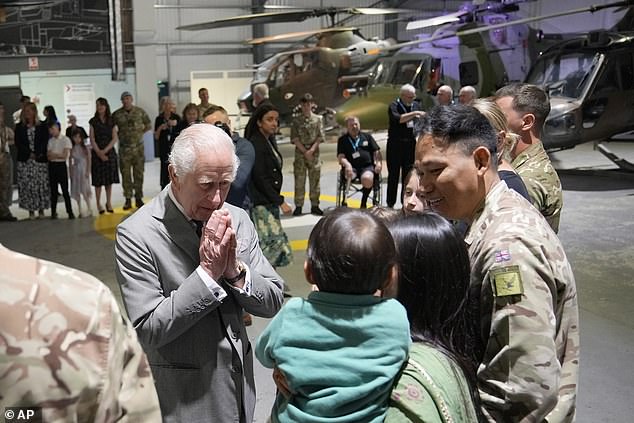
526,107
132,122
529,322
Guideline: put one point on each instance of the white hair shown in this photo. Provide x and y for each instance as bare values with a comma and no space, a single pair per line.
408,88
261,90
468,89
447,89
196,138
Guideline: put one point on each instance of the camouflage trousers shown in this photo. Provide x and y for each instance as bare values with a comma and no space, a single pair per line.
6,184
132,165
273,239
301,166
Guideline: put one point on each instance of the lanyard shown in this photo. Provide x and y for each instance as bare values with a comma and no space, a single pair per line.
355,144
402,106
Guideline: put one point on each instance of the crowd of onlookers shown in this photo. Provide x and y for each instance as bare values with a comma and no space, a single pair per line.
461,307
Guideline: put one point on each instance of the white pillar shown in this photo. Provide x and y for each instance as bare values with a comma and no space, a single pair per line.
145,57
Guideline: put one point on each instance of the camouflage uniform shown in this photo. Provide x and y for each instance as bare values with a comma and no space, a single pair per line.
528,313
66,347
132,125
202,109
308,130
542,182
6,170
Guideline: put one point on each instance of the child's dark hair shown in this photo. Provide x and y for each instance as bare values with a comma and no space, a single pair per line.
79,132
350,252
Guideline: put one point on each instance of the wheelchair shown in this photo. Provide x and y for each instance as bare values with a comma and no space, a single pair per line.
344,192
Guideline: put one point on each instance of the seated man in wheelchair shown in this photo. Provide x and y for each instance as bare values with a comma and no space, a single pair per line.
359,156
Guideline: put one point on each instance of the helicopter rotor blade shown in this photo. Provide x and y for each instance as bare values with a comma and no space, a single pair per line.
290,35
436,20
288,16
591,9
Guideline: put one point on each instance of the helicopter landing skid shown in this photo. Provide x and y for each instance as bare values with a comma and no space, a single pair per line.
620,162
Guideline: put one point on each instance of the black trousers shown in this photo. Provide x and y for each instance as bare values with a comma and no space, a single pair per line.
58,175
400,160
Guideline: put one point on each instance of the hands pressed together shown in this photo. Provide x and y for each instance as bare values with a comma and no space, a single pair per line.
217,248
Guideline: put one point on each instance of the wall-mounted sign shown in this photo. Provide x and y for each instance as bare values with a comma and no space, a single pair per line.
34,63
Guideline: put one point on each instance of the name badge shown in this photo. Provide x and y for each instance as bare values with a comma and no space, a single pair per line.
356,155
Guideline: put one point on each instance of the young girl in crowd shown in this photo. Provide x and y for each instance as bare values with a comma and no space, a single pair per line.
341,348
413,201
438,385
80,172
58,151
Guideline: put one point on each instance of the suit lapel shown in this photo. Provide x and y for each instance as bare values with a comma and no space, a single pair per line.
176,226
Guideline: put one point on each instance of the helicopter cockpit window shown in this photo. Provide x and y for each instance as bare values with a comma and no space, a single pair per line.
564,75
468,73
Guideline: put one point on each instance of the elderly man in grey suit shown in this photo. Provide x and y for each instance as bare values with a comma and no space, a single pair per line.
185,294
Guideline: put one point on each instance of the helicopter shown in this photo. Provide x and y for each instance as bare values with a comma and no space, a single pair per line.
590,81
337,52
487,53
290,74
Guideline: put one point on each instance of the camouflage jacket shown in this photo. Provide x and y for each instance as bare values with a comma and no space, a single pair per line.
542,182
307,129
202,109
65,347
131,125
529,319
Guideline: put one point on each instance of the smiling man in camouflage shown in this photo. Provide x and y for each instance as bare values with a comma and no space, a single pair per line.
529,324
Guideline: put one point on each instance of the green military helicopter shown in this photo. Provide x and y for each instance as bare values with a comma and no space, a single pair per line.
336,52
590,80
486,52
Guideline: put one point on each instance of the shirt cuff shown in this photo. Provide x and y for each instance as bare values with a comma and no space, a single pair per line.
246,290
213,286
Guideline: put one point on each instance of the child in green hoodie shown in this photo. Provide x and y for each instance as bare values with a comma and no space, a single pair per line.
342,347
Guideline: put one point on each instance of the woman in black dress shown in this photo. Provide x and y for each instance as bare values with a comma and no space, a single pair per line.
103,137
166,129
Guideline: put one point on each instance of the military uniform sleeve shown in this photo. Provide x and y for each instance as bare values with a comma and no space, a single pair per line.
519,375
294,130
320,128
128,393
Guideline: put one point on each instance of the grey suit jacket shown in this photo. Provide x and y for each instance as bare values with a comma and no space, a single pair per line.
197,346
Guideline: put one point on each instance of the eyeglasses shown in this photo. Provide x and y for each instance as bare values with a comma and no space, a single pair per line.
224,127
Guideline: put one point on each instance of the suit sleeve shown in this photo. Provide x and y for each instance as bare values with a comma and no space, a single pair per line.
246,154
266,297
519,375
158,319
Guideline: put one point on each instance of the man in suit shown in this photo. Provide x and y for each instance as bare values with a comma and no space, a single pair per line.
185,295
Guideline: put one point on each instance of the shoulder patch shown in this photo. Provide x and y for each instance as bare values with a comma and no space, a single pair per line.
506,281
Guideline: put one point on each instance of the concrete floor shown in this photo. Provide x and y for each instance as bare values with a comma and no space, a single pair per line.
597,231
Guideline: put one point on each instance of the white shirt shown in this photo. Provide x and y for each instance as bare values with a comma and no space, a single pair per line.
58,145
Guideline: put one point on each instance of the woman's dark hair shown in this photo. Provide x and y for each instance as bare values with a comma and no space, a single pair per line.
262,110
350,252
434,288
51,116
108,115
